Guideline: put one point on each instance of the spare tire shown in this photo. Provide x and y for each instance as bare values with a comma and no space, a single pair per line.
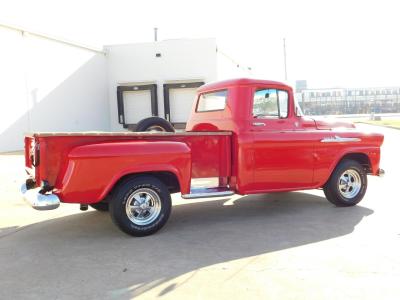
154,124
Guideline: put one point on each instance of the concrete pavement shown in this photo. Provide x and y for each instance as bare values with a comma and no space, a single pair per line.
276,246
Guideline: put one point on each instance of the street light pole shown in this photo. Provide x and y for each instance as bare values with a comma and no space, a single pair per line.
284,57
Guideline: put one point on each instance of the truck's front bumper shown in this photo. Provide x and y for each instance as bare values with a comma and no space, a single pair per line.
39,201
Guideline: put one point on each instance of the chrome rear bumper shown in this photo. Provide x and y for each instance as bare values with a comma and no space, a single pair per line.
39,201
381,172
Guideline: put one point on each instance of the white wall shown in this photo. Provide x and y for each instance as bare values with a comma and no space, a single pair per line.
228,68
48,86
13,97
188,59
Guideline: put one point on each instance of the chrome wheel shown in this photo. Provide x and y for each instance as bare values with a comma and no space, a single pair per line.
143,206
349,183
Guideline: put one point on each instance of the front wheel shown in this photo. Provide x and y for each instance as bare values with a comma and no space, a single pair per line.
347,184
140,205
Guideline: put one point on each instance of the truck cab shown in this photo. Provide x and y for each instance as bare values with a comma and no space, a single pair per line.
278,148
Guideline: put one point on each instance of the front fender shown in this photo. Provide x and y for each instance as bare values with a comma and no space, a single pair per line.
321,174
92,170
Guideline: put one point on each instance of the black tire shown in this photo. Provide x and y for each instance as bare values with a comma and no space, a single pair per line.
335,194
100,206
154,124
122,196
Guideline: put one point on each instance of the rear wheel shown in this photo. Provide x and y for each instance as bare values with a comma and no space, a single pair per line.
100,206
140,205
347,184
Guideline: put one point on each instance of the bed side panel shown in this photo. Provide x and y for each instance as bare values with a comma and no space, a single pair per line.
93,170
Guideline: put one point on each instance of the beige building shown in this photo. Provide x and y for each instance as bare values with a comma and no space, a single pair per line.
334,101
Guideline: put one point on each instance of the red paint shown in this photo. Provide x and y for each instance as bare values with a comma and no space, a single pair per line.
284,155
105,163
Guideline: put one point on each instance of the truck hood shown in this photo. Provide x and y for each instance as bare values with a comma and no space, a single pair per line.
325,123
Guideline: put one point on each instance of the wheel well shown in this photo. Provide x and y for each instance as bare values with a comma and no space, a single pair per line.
168,178
361,158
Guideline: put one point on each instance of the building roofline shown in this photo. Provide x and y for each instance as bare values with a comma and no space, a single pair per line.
52,38
240,81
350,88
159,42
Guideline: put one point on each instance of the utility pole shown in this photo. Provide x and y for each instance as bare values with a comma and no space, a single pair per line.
155,34
284,57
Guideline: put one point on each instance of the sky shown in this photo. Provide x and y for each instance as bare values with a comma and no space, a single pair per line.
329,43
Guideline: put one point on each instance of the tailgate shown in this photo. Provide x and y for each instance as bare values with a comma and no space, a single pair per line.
31,150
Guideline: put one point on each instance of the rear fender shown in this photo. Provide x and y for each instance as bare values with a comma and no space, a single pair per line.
93,170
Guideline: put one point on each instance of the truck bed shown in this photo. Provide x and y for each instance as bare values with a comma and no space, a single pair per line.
210,151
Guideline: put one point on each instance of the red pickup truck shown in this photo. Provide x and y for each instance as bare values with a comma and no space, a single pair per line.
250,134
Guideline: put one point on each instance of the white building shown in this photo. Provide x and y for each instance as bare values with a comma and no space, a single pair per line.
50,84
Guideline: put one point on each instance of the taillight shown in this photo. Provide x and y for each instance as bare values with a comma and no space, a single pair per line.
34,153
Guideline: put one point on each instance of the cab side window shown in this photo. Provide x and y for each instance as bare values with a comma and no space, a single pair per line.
283,103
270,103
212,101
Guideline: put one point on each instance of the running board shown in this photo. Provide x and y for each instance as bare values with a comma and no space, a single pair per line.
208,192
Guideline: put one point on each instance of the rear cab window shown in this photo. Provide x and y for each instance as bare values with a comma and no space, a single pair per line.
212,101
270,103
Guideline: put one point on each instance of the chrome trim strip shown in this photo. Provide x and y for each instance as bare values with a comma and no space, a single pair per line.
126,133
338,139
208,195
39,201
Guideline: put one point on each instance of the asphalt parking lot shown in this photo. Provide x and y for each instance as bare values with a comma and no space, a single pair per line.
274,246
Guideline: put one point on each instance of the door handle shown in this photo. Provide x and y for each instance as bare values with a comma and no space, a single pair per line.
258,124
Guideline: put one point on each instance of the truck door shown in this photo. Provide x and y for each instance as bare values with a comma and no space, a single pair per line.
282,157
